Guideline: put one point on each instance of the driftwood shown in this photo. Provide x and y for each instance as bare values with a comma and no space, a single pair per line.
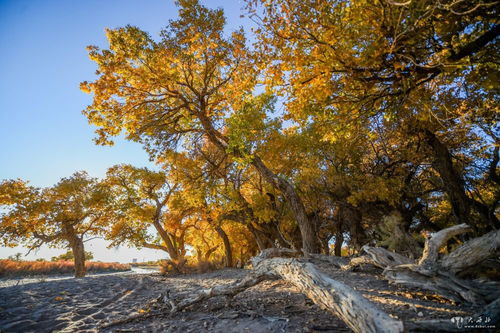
437,240
473,252
358,261
439,275
356,311
360,314
383,258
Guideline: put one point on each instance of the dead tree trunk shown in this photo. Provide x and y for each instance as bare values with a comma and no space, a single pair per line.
472,253
438,275
357,312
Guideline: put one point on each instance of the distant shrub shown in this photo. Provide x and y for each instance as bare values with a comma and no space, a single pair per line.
69,256
11,268
187,266
146,263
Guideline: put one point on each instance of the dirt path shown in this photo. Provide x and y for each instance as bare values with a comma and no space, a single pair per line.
77,305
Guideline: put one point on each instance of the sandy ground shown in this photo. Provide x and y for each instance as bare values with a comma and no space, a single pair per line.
83,305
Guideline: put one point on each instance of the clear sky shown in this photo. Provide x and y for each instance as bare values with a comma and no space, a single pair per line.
43,134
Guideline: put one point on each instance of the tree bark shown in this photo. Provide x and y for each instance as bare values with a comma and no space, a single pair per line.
307,228
339,239
227,246
472,252
76,244
209,252
438,275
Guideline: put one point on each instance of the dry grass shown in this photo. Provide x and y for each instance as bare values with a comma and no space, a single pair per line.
10,268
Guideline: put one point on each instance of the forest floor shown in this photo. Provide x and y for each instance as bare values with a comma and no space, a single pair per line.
83,305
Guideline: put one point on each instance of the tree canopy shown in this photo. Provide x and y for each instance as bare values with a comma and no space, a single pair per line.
344,123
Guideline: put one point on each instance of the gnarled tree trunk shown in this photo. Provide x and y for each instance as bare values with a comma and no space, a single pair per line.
227,246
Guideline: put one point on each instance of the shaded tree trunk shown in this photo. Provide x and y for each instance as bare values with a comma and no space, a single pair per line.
227,246
452,180
258,239
339,239
209,252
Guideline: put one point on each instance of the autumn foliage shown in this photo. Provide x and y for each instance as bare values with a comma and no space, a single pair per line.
347,122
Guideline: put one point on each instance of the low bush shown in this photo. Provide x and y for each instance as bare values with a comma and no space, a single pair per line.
11,268
187,266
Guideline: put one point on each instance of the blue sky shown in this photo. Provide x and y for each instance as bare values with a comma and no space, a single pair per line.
43,134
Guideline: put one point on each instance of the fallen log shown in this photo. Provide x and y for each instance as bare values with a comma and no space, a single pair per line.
472,252
359,261
355,310
383,258
436,241
447,285
438,275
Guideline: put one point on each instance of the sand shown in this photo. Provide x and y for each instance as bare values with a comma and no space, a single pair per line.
83,305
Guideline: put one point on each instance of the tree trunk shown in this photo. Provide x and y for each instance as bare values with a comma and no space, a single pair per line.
172,252
307,227
258,238
227,246
198,254
437,275
339,239
209,252
472,252
76,244
452,180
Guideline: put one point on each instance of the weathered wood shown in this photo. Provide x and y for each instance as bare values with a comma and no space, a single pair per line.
438,275
358,261
437,240
248,281
355,310
447,285
289,253
384,258
274,252
472,252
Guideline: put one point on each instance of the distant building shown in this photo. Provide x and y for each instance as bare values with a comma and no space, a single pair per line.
134,261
